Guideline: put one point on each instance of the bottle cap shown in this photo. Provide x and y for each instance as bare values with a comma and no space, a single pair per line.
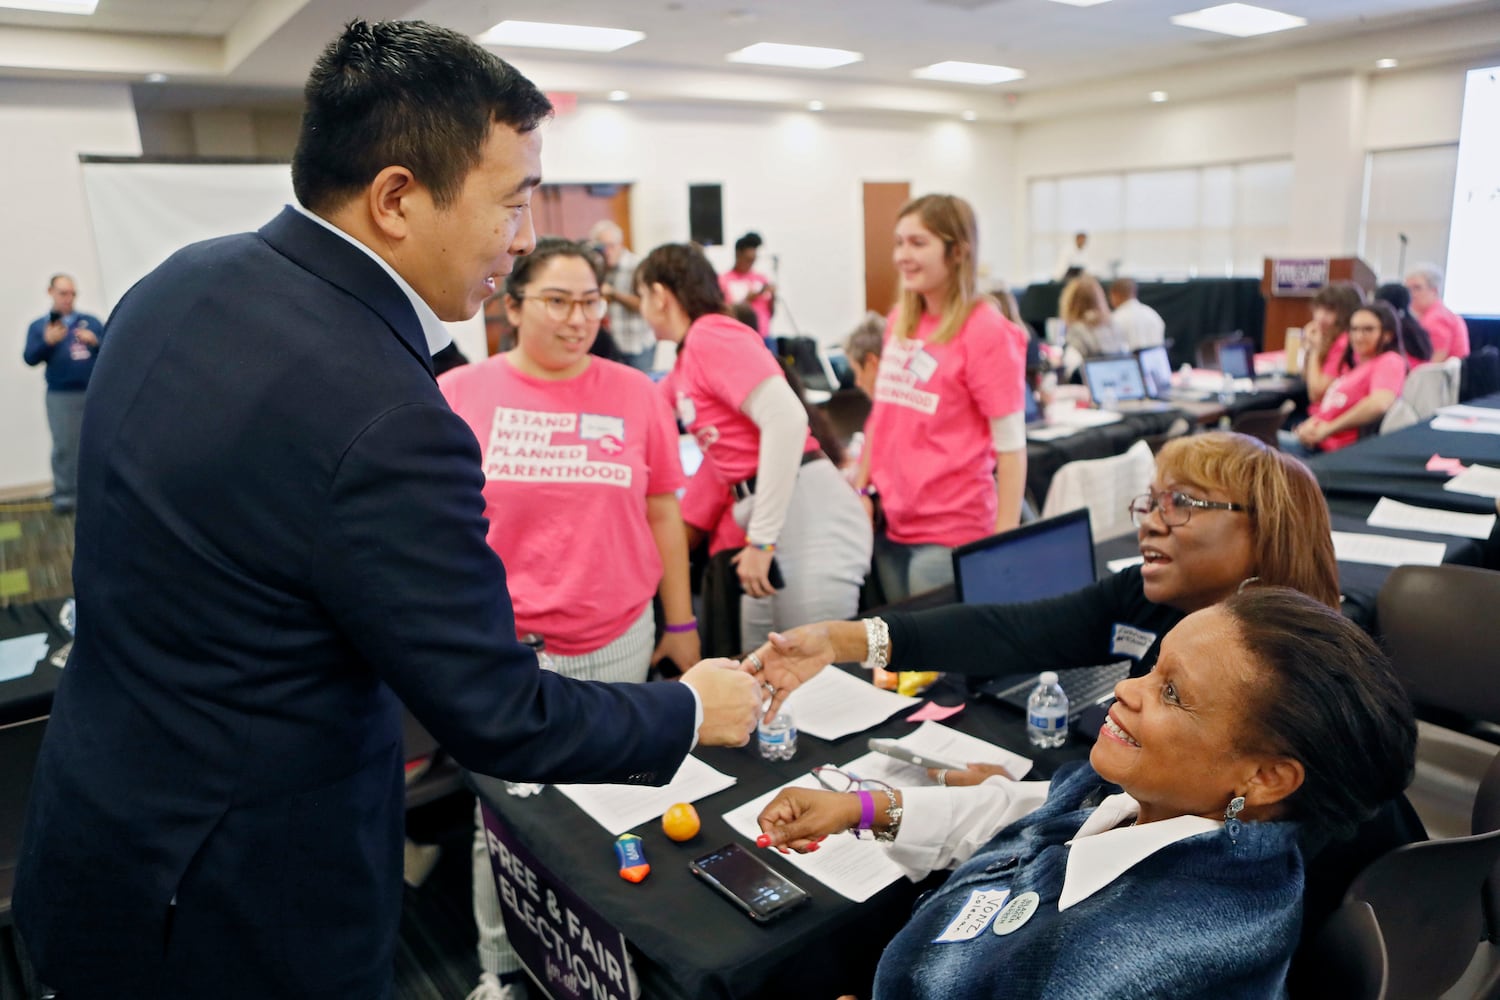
1048,677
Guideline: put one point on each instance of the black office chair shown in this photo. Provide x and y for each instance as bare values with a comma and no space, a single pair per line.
1481,373
20,742
1435,624
1264,423
1352,963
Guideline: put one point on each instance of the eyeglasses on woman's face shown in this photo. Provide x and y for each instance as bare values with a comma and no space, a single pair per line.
560,307
1175,506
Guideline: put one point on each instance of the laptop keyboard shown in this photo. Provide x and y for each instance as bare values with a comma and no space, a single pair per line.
1084,686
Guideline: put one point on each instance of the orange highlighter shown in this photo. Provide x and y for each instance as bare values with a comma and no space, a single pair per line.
632,857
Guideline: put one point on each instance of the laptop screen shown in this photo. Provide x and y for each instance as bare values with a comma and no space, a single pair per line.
1035,561
1117,377
1237,359
1156,371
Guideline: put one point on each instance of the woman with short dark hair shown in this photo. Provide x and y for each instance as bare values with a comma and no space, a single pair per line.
1169,865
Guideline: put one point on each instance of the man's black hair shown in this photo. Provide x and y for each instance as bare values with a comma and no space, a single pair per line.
404,93
750,241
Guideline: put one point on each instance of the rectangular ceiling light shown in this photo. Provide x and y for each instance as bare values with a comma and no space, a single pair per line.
1081,3
794,56
52,6
967,72
575,37
1239,19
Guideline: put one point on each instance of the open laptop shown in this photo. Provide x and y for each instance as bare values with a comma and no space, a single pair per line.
1116,383
1156,373
1031,563
1237,358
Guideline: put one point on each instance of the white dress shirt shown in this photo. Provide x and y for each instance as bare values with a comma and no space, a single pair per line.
944,827
1141,325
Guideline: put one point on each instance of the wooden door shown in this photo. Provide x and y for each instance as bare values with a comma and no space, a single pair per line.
882,201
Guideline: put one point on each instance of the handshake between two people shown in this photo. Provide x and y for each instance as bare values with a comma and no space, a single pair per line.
736,694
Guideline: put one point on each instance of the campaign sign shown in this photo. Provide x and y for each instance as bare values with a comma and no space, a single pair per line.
1298,277
566,946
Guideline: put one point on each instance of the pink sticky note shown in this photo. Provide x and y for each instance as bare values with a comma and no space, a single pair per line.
1452,466
933,712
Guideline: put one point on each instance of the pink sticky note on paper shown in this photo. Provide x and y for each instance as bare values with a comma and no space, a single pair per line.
933,712
1452,466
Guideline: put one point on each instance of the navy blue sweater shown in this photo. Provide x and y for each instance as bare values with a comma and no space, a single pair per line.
1204,917
69,362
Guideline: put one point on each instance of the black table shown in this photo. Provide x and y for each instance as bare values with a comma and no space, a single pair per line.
30,697
1395,466
689,943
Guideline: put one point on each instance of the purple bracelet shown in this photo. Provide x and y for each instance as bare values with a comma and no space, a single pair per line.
689,626
866,811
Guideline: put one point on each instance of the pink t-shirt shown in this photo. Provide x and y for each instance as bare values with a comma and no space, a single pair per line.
718,364
1386,370
931,450
1334,363
568,467
737,286
708,506
1447,329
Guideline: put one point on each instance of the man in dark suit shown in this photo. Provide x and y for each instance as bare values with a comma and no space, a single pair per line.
280,531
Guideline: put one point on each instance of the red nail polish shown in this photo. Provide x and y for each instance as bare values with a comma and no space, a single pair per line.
764,840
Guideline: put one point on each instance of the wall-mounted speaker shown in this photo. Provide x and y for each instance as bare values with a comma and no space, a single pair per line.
706,214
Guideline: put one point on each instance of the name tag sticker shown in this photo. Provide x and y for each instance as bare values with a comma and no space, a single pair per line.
686,411
1130,641
922,365
593,426
975,916
1016,913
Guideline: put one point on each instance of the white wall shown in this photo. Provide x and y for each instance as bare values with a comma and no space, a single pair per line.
45,126
794,177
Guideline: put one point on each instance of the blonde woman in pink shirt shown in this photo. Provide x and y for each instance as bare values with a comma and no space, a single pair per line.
945,443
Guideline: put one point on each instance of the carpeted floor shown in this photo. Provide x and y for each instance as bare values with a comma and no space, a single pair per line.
36,552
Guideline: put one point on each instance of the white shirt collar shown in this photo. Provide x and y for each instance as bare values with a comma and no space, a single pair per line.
1102,850
433,329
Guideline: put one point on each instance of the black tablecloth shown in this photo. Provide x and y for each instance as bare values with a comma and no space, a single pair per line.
1194,311
687,941
31,696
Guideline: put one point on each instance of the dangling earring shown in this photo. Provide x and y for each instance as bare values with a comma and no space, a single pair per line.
1231,817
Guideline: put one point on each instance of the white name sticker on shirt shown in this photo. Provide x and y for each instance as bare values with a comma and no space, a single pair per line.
975,916
686,411
593,426
1131,642
1015,915
922,365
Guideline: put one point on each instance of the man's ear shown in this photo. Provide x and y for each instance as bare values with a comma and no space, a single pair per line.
388,200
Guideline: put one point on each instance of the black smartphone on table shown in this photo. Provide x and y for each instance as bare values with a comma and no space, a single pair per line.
748,882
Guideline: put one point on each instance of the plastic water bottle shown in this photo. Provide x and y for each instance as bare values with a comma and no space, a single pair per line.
524,789
1226,389
1047,713
777,737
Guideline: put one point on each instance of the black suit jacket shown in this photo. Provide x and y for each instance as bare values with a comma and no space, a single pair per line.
280,523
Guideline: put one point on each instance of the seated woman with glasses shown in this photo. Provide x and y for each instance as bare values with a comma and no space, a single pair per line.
1223,508
1170,864
1371,376
581,470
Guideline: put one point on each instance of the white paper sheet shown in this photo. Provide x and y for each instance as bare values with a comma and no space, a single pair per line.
1383,550
854,868
18,655
1479,480
1072,416
1466,425
1115,565
936,740
619,808
835,704
1390,513
1466,412
1051,432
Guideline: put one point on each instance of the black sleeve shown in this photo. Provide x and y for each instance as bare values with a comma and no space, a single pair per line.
990,640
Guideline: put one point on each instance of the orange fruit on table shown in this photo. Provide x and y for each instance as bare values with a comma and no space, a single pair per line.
680,822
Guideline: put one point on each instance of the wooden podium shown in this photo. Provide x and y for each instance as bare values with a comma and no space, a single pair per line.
1289,302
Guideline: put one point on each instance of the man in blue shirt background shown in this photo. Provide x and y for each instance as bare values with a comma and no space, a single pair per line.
68,342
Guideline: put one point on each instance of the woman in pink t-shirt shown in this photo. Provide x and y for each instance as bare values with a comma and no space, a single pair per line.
732,395
945,443
1325,340
1373,373
581,471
